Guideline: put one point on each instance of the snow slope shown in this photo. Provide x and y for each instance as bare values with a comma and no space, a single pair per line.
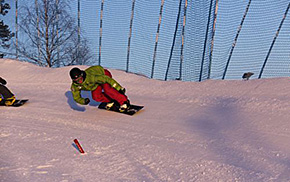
189,131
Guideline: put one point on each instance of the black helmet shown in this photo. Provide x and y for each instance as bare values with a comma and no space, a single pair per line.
76,73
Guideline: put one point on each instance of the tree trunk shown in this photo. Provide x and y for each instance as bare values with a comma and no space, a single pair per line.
48,54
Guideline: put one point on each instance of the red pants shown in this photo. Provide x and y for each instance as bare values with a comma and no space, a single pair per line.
109,93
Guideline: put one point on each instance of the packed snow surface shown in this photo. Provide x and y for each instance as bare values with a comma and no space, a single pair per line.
210,131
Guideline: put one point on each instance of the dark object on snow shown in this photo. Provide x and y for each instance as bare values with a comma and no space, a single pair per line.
247,76
133,109
2,81
17,103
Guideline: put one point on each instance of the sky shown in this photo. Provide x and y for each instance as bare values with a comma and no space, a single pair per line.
216,130
249,54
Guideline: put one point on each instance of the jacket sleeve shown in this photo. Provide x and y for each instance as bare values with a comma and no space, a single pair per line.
2,81
101,79
76,92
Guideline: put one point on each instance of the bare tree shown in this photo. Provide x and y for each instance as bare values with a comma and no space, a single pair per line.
80,56
51,34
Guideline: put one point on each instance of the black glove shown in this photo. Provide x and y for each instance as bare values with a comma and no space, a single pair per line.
3,81
87,101
122,91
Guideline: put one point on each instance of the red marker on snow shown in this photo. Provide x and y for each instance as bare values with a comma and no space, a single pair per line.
79,146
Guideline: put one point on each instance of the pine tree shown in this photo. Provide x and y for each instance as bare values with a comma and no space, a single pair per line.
5,33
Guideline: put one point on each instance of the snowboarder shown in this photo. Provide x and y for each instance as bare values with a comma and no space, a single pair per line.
102,86
6,96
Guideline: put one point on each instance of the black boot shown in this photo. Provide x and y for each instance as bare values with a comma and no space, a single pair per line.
125,106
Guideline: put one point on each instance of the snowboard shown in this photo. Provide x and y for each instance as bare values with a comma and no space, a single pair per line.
17,103
131,111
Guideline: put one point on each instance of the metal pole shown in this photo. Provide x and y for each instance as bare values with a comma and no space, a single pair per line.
236,38
274,40
182,41
156,39
130,34
79,32
101,31
212,38
16,26
173,42
205,40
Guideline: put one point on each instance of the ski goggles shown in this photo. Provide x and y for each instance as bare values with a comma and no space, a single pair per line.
79,79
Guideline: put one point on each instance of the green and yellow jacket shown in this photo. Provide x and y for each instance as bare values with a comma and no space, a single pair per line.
95,76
